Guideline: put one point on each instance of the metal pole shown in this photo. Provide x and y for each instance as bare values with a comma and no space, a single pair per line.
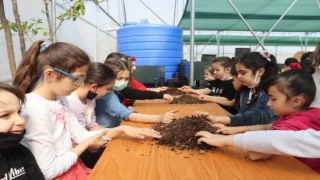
205,46
264,37
106,13
54,18
174,14
124,11
218,44
152,11
192,17
306,42
98,33
245,22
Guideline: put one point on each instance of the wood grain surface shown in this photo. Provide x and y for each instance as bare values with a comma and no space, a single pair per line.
126,158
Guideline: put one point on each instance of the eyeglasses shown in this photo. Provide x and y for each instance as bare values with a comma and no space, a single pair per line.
79,80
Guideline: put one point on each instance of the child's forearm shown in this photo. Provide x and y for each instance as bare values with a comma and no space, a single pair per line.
224,101
258,127
94,128
257,156
144,118
202,91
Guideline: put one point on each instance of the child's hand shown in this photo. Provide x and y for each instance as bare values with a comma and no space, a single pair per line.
97,141
141,133
204,115
203,97
229,130
168,98
214,139
131,108
168,116
160,89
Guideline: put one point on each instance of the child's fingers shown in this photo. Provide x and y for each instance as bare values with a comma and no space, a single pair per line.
203,133
174,111
203,139
217,125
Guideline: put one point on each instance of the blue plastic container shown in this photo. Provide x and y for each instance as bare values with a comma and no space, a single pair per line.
152,45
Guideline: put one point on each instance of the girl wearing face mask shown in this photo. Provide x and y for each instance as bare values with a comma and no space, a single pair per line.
221,87
13,155
110,111
253,68
99,82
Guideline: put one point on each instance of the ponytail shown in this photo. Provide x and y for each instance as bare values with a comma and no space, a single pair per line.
64,56
271,67
27,73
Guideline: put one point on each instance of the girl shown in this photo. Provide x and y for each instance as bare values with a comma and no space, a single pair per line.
253,68
221,87
47,72
99,82
109,110
291,94
208,77
14,157
287,63
316,75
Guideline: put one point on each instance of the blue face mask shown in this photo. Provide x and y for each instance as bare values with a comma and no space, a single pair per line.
119,85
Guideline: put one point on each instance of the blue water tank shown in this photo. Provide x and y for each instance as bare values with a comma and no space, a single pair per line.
152,45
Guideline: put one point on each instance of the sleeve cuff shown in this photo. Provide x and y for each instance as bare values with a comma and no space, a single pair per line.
237,141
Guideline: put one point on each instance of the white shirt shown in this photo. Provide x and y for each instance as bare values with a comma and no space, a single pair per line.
295,143
51,128
84,112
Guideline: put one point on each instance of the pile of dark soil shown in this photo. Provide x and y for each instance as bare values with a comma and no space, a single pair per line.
180,133
174,92
186,99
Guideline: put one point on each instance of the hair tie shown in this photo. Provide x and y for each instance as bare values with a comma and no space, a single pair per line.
266,55
294,66
45,45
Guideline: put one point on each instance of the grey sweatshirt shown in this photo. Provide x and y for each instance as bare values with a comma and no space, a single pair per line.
295,143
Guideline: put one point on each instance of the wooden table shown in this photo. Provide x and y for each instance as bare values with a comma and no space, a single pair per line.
127,158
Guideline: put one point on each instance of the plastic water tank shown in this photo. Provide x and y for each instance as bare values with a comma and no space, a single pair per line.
152,45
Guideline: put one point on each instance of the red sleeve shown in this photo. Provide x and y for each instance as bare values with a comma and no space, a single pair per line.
137,85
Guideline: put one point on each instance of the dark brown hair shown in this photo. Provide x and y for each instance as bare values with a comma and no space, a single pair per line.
209,68
100,74
117,65
119,56
14,90
61,55
224,61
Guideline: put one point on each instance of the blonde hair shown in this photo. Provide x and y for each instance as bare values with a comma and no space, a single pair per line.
298,55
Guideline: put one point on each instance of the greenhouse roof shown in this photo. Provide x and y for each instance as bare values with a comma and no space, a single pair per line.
261,15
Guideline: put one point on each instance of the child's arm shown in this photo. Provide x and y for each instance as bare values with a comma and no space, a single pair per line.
146,118
220,100
242,129
254,156
200,91
212,119
135,132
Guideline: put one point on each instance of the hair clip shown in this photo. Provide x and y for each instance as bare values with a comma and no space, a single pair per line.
294,66
266,55
45,45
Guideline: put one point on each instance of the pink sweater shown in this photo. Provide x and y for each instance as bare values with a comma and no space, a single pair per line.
301,121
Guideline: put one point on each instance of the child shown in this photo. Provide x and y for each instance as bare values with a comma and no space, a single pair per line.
221,87
208,77
48,72
287,63
130,93
109,110
99,82
14,157
291,94
253,68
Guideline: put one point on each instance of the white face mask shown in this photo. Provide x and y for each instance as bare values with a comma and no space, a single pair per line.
255,82
119,85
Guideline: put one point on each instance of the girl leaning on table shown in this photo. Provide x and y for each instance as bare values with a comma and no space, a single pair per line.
291,94
110,111
252,68
99,82
48,72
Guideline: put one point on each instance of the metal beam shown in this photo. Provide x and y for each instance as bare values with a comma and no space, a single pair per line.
245,22
175,10
281,17
205,45
218,44
306,42
124,11
192,17
106,13
152,11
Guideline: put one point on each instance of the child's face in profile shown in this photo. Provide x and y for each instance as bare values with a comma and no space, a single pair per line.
236,83
123,76
279,104
218,70
103,90
10,119
208,76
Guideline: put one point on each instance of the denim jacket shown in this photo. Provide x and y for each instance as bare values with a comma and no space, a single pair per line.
256,112
110,111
